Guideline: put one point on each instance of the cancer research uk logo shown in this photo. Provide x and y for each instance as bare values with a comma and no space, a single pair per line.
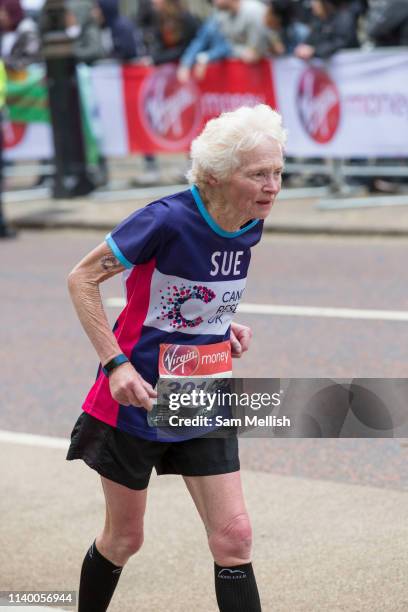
170,111
318,104
173,298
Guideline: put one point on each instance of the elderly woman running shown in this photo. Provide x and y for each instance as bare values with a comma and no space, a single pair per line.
180,255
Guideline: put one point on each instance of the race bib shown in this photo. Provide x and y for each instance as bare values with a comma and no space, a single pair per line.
187,370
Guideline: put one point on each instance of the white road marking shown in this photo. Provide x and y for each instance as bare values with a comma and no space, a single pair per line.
26,439
304,311
314,311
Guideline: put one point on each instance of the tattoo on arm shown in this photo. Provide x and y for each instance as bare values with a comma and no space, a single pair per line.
109,262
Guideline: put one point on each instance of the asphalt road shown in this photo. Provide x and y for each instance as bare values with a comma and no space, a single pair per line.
47,363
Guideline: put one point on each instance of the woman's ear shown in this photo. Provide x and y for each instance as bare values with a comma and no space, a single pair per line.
212,180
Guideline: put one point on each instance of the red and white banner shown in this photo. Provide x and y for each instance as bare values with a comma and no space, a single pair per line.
354,105
146,109
27,140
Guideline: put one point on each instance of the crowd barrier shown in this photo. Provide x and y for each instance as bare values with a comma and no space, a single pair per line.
354,105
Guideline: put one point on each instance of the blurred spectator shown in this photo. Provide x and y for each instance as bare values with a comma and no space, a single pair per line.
81,25
358,7
243,24
145,21
333,28
209,45
121,38
19,41
168,30
11,13
282,18
387,23
5,231
172,28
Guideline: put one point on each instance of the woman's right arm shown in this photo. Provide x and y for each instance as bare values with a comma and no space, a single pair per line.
126,385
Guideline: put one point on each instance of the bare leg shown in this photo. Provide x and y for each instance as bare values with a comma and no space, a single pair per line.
122,535
220,502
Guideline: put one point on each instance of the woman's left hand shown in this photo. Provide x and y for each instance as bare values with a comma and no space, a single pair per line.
240,338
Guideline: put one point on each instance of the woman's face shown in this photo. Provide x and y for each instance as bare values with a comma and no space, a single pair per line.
253,187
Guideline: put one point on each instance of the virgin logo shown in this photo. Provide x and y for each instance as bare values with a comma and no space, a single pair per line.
318,105
13,134
181,360
169,111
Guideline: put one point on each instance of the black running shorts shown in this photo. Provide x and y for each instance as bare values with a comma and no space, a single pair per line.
129,460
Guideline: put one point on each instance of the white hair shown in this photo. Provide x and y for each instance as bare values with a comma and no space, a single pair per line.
217,149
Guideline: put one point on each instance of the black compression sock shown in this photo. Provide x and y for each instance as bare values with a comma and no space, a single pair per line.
236,588
99,578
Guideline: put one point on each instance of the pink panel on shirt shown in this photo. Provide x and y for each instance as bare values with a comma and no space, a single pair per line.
134,314
99,402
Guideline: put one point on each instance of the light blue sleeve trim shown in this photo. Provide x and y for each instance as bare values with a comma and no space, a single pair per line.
117,252
214,226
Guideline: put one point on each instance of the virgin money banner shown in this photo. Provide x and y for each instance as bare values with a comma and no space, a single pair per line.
355,105
165,115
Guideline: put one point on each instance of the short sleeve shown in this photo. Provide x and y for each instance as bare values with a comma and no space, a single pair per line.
137,239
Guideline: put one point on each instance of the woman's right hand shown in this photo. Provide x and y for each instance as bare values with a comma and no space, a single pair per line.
129,388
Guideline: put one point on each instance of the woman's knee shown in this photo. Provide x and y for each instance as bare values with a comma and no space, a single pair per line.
131,542
118,546
231,544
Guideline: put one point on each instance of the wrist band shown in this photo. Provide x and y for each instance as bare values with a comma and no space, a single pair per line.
114,363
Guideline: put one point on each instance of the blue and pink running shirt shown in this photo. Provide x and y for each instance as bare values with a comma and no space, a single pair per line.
185,277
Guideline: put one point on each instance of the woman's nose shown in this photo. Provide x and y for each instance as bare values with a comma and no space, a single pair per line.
272,185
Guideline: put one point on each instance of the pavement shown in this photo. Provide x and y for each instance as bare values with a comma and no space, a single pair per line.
319,546
304,211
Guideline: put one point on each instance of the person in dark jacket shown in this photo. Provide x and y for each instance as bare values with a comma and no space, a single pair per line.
334,28
126,41
173,30
282,17
389,27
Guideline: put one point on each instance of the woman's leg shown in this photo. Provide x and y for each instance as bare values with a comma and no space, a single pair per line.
220,502
121,537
